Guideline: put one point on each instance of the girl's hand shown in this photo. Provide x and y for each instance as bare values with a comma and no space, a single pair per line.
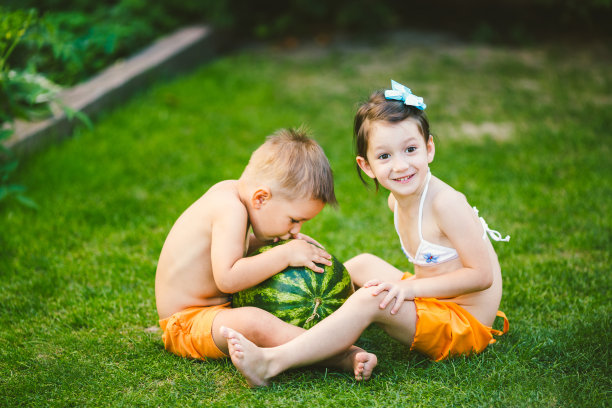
372,282
300,252
396,294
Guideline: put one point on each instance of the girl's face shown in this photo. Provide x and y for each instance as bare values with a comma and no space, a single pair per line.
398,157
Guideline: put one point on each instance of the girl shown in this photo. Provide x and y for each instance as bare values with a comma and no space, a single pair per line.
447,307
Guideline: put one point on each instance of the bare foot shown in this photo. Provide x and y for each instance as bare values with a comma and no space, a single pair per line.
354,359
364,363
247,357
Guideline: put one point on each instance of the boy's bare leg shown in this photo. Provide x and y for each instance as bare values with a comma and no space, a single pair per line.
270,331
328,338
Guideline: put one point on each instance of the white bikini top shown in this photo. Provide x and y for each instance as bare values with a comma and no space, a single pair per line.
428,253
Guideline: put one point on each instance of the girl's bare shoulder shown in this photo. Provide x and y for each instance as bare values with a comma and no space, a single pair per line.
445,198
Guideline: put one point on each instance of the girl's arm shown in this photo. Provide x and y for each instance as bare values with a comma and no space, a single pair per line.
459,223
457,220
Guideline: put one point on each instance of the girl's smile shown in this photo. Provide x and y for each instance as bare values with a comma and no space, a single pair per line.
398,156
404,179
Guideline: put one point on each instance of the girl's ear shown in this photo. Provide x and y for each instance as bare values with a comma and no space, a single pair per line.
365,166
260,197
431,149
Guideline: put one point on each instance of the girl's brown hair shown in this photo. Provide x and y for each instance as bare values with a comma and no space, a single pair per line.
380,109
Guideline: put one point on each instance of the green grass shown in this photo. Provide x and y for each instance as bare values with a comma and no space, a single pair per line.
523,132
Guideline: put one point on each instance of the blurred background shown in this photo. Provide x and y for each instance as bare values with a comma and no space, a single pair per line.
69,40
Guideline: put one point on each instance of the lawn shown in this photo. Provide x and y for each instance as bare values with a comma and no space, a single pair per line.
524,132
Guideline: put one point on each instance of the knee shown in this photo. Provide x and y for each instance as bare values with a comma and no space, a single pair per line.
365,300
360,267
368,305
360,259
256,323
264,319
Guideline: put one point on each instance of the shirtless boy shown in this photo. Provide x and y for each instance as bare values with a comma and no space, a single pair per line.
287,182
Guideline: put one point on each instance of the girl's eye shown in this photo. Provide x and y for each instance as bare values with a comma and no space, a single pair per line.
411,149
294,221
384,156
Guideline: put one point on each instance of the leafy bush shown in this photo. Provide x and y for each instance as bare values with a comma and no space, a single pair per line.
23,94
72,43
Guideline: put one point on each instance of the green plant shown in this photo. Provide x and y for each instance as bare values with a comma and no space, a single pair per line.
70,44
22,95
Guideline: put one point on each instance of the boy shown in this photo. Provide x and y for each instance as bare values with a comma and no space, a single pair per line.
287,182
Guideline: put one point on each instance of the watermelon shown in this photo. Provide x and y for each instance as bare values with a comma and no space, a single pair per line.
297,295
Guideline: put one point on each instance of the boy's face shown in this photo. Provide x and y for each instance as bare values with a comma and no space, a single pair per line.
276,217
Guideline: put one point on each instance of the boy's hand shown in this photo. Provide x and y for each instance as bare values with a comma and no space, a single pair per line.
307,239
396,292
304,237
303,253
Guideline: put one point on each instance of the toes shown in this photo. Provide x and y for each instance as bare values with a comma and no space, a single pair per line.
229,334
359,371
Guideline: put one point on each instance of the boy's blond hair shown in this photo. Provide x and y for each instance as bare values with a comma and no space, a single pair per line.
294,165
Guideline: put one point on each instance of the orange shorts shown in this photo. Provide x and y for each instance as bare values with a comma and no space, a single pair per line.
445,329
188,333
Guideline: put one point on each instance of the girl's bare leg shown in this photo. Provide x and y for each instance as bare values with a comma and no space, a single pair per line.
270,331
328,338
365,267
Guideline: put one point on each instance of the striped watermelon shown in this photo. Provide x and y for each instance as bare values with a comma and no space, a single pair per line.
298,295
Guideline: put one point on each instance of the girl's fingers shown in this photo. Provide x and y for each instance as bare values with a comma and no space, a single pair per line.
371,282
399,301
390,296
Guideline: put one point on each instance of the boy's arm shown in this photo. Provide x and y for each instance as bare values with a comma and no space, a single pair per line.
233,272
254,243
227,250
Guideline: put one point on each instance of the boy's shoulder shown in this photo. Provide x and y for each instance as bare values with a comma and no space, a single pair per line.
224,193
221,196
224,186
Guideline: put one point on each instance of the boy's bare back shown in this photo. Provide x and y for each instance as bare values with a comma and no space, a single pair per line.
184,275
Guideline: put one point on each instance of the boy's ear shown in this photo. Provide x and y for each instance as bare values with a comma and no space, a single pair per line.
260,197
431,149
365,166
